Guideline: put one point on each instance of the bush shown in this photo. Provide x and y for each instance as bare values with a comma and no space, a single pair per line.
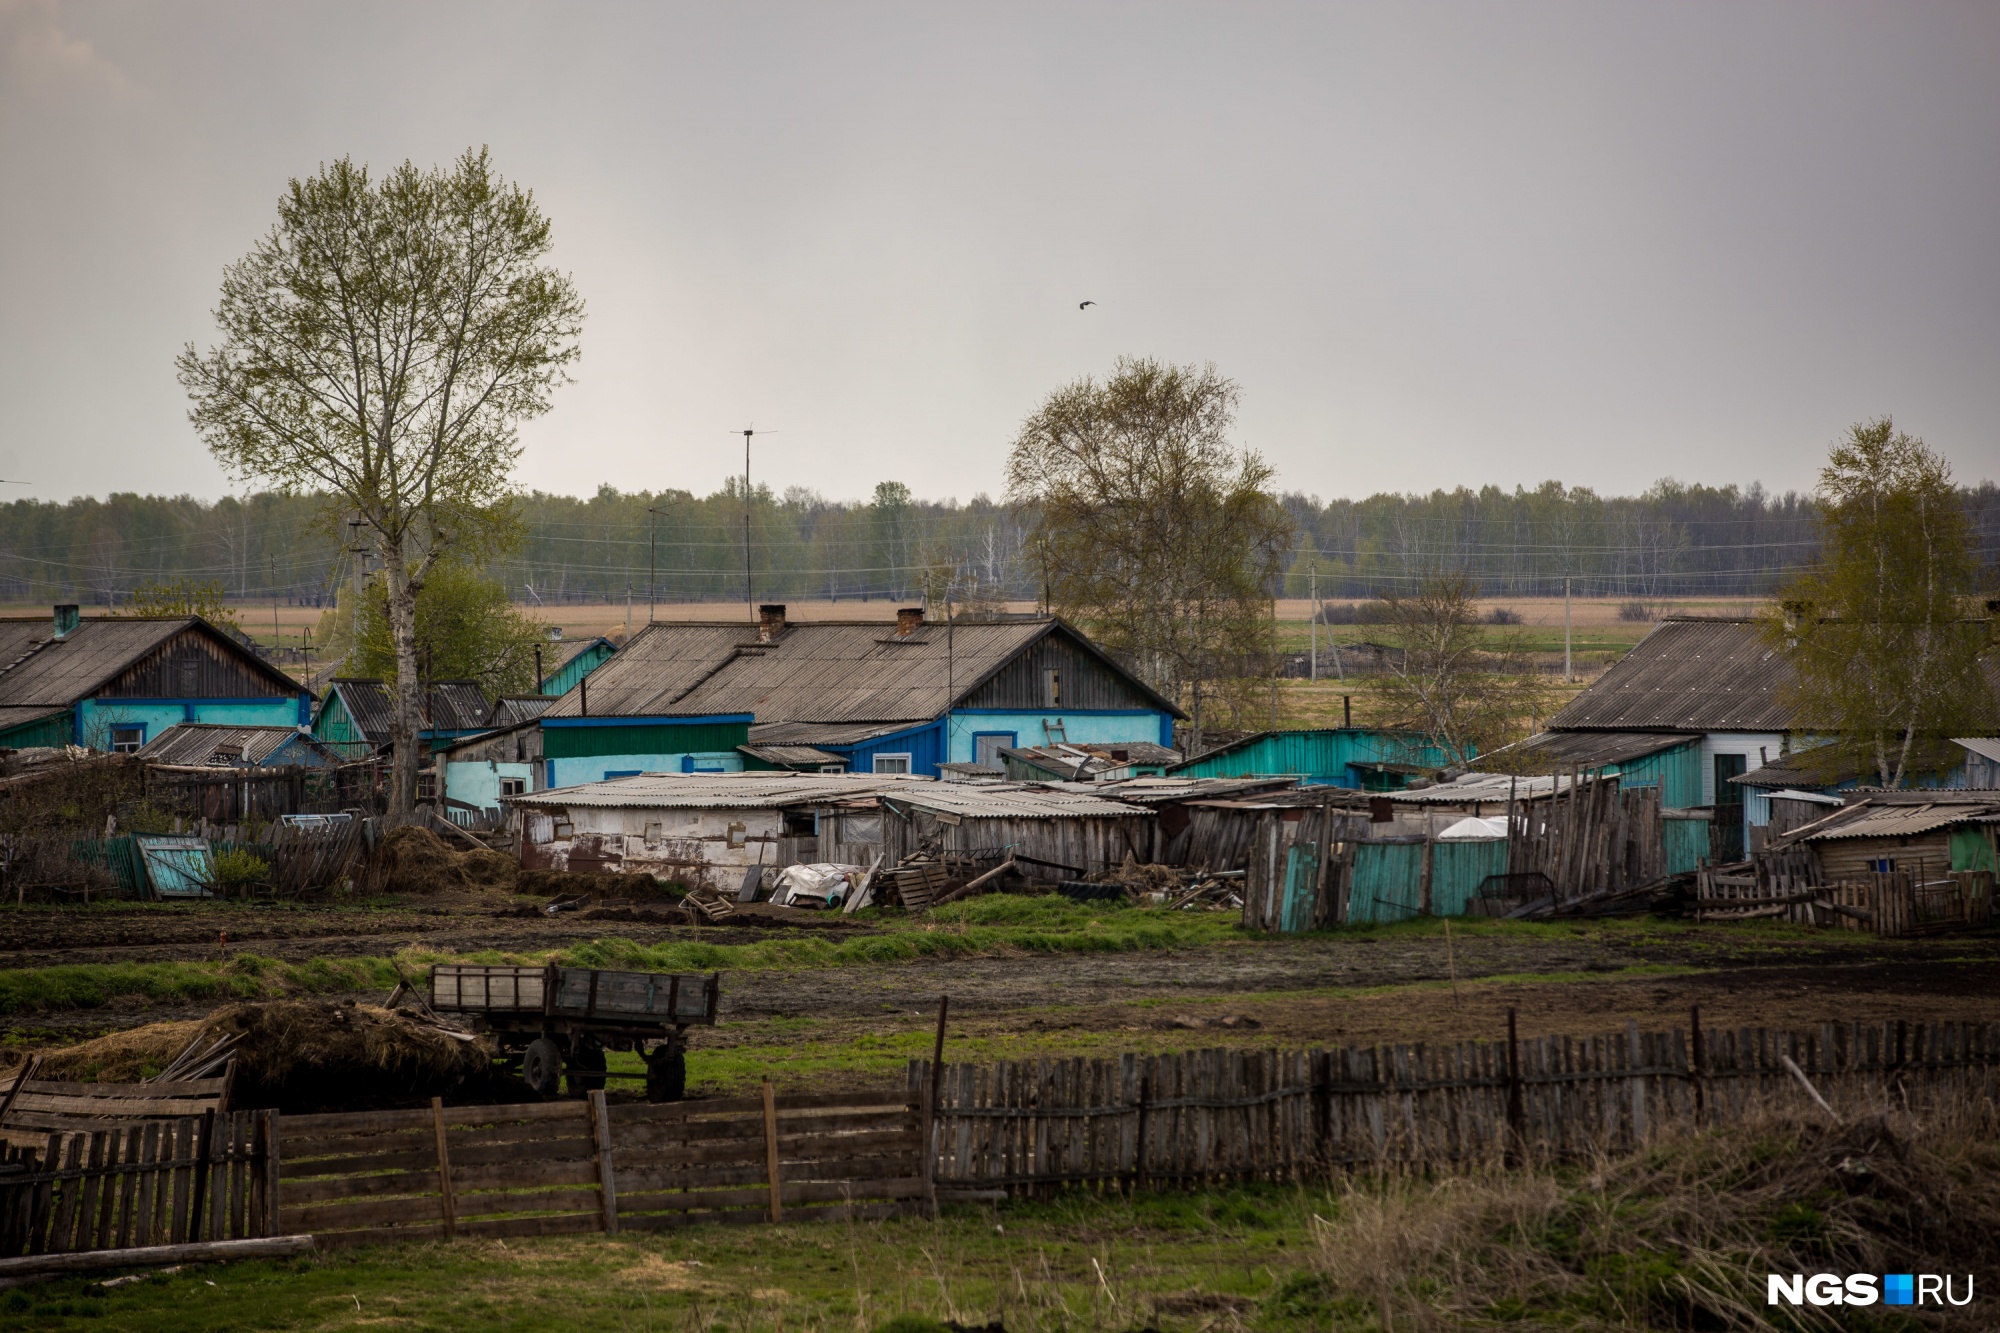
238,869
1501,615
1636,611
1355,613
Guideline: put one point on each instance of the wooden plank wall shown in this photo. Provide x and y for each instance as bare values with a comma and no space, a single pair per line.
142,1182
1211,1116
566,1167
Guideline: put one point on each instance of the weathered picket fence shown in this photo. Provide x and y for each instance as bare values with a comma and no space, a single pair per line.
1219,1115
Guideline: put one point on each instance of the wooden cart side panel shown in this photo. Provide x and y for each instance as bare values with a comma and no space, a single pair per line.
470,987
683,998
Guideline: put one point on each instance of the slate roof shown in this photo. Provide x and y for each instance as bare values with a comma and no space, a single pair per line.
790,755
455,705
510,709
38,669
1590,748
968,800
816,671
200,742
1688,675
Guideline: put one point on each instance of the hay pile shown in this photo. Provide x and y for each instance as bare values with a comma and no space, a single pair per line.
306,1056
412,859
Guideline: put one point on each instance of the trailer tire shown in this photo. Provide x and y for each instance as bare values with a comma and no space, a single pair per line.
666,1075
541,1066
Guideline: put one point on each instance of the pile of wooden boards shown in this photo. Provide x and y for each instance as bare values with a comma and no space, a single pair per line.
913,884
705,904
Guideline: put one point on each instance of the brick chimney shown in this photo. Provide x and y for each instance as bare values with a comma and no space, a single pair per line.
907,619
770,621
67,619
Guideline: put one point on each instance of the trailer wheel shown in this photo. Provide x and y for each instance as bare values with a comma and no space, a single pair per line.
586,1068
666,1074
541,1066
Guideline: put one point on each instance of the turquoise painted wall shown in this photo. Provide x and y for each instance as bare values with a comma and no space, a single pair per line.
574,670
1676,772
1090,728
594,768
1322,756
1686,843
478,782
94,718
1459,868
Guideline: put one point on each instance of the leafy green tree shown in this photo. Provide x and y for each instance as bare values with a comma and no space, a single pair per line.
467,629
1150,529
381,346
1884,651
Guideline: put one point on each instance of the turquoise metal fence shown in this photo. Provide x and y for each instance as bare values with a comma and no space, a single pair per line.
1459,868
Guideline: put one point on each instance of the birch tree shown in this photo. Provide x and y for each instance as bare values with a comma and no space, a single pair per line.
1464,688
1884,648
380,346
1151,529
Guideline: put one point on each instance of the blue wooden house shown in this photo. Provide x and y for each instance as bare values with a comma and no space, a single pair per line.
875,697
115,683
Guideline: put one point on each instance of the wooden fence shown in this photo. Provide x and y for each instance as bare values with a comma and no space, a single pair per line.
1891,904
1214,1116
145,1182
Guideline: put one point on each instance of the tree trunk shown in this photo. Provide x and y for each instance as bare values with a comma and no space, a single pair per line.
406,719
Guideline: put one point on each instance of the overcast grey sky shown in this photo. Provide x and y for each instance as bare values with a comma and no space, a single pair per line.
1436,244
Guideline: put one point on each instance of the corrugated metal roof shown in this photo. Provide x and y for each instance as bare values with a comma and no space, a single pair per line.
1689,675
1592,748
455,705
203,742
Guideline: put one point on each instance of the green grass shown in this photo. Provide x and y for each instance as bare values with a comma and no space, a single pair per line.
983,927
1168,1261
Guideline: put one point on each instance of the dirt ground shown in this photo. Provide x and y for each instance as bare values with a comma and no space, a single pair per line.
1359,988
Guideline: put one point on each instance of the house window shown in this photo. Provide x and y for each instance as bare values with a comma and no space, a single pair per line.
513,786
892,763
1051,688
861,828
127,740
427,786
801,824
1883,865
987,745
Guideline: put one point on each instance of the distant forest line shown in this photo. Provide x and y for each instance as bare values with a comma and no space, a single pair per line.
1675,540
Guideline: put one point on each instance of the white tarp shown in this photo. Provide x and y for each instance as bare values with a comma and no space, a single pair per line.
821,885
1475,830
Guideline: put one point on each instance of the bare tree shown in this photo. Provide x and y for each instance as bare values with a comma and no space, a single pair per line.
1465,688
1150,528
380,346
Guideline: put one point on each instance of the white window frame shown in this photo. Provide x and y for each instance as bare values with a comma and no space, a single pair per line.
128,747
875,765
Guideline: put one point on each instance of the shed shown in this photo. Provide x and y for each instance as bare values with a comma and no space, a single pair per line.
1355,757
217,745
1921,833
355,715
1669,760
1067,762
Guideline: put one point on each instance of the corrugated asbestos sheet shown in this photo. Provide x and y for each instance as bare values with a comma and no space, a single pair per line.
1986,747
203,742
811,672
510,709
791,754
1689,675
821,733
1593,748
1906,821
1010,800
749,791
455,705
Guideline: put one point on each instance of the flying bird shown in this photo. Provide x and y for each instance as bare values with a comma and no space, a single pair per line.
1081,304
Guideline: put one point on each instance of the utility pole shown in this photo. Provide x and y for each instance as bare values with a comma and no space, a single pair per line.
1567,676
277,639
1312,610
749,599
652,560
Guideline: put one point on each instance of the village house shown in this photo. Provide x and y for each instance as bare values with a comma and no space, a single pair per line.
354,715
115,683
872,697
